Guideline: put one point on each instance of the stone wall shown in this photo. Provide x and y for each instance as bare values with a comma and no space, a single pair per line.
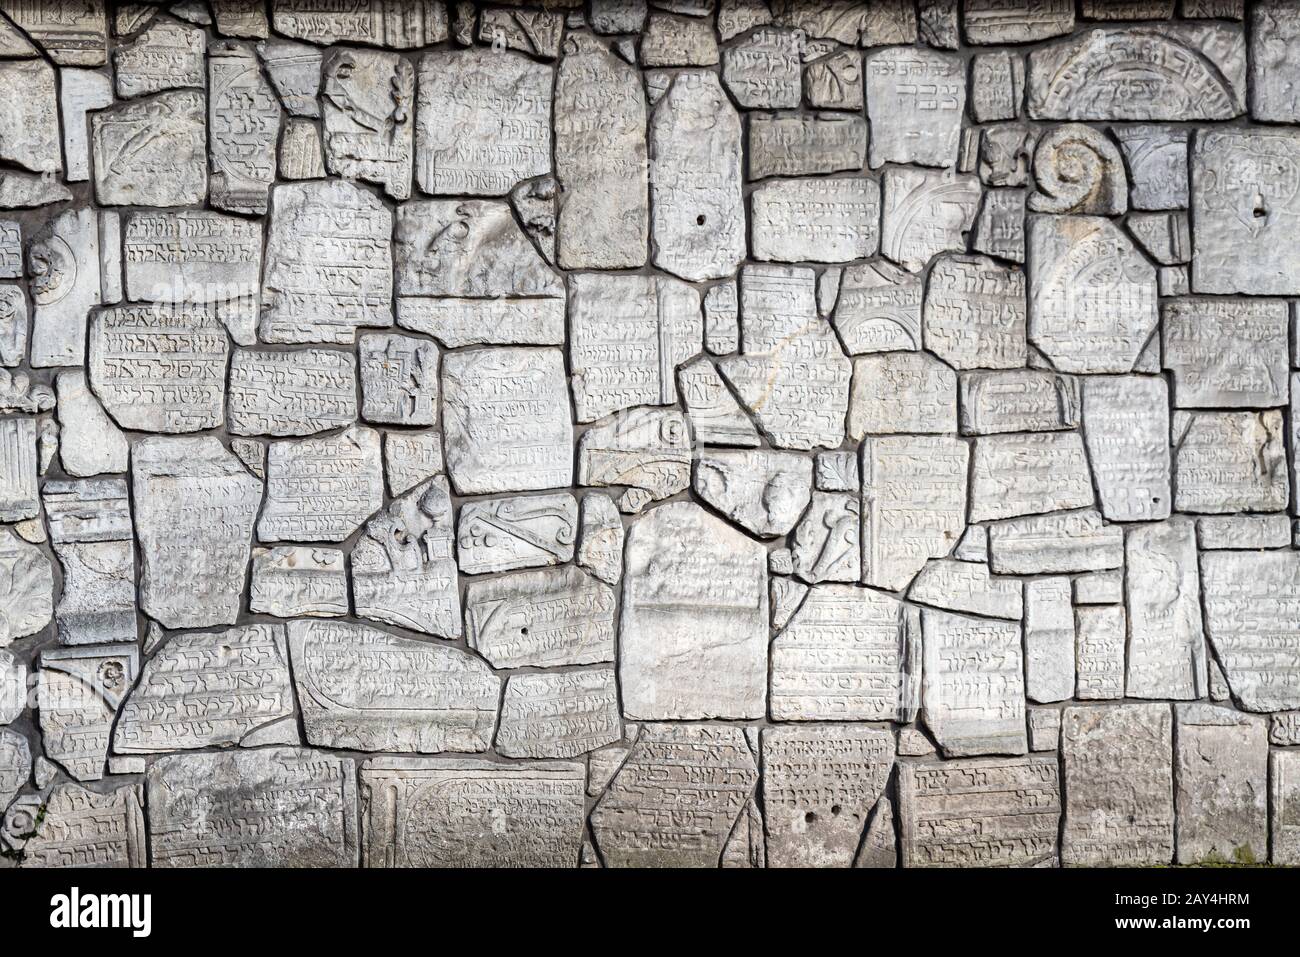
729,433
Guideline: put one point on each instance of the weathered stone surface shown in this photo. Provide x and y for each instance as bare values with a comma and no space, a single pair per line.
974,315
1226,353
399,379
18,470
463,812
27,603
297,392
646,450
294,71
635,822
1250,620
1017,21
13,323
825,545
1229,462
1246,205
11,257
697,216
194,510
600,538
820,784
926,212
152,152
915,100
160,368
296,808
901,392
820,220
1006,154
792,375
19,190
1071,541
72,34
1099,652
878,308
367,98
29,116
847,653
715,415
91,535
762,491
1275,82
63,263
376,22
1221,793
1019,400
506,420
328,263
834,81
166,56
1127,434
363,689
693,632
1157,165
1247,532
763,70
1049,641
82,828
600,159
559,715
243,123
1092,296
1000,229
1167,72
403,572
1078,170
627,335
997,86
15,764
1166,648
913,504
206,690
1026,474
78,694
13,689
290,581
1118,764
967,587
301,154
989,812
503,534
972,689
558,616
798,144
410,458
321,490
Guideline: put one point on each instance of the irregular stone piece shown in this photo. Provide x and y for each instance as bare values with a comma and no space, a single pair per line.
160,368
1078,170
402,26
1247,209
559,715
152,152
1251,622
165,56
1275,81
972,691
1099,652
825,545
1000,229
820,784
798,144
627,335
834,81
403,572
715,415
536,32
1166,647
363,689
677,41
18,470
711,767
915,100
1247,532
11,261
291,581
1229,462
837,472
194,510
697,216
1166,237
600,541
367,99
91,534
15,764
27,599
13,689
19,190
1157,164
1054,543
244,123
1284,792
71,34
967,587
207,690
974,314
989,812
898,392
997,86
1127,434
410,458
1185,72
913,504
847,653
878,308
1017,400
63,263
1016,21
1005,154
321,490
328,263
240,18
1226,353
817,220
721,318
301,153
1221,786
647,450
295,72
1049,641
78,694
295,392
1092,295
81,828
1026,474
926,212
464,812
1118,765
762,491
556,616
693,632
503,534
399,379
29,116
296,808
600,159
762,71
792,375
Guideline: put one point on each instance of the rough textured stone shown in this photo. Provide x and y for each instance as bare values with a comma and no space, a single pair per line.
500,535
91,535
321,490
901,392
974,314
1026,474
1126,429
763,492
152,152
296,392
1049,641
1226,354
78,694
915,100
1221,792
1229,462
926,212
290,581
646,450
28,589
1166,648
878,308
559,715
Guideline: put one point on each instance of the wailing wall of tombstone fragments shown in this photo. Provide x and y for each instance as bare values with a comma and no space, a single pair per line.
696,432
